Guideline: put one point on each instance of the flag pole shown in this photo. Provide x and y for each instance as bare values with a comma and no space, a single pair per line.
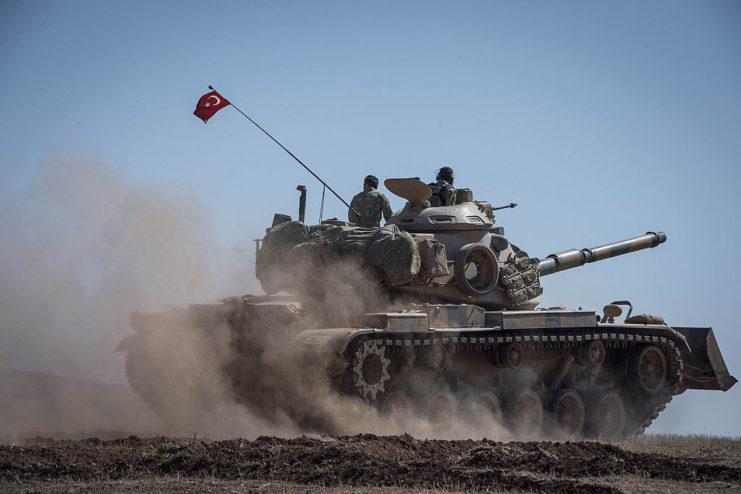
290,153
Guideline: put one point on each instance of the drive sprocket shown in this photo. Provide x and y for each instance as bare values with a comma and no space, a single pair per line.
370,370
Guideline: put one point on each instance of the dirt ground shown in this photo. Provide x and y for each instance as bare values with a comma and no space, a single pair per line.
368,463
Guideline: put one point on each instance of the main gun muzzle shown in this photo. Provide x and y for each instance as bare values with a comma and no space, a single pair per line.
574,258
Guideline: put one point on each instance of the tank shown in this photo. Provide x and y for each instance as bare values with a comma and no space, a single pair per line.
433,317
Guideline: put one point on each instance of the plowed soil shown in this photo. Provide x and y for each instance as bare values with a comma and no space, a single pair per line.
368,463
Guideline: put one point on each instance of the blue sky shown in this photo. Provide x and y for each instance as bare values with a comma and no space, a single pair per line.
603,120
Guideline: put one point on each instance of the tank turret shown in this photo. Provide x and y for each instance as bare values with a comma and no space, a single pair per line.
449,254
484,267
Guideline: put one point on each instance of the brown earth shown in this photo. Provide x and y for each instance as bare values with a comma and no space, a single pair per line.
369,463
112,462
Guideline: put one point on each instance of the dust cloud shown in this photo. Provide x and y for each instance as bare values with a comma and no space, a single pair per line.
82,249
294,380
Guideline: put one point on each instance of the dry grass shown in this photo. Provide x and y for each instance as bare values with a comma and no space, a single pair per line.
719,449
215,486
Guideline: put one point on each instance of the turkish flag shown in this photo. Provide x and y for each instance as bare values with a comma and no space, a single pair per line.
209,104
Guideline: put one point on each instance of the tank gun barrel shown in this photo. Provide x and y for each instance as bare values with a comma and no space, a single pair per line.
573,258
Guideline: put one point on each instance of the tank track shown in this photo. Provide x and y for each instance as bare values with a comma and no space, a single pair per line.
462,339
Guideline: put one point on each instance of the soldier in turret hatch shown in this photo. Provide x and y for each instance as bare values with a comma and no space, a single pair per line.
369,204
443,193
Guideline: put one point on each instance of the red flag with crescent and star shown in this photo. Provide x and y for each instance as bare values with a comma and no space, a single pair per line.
209,104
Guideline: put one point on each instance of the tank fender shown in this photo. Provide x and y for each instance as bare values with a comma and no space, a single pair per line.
395,322
332,340
662,330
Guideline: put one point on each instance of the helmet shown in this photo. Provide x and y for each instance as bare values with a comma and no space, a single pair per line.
371,180
445,173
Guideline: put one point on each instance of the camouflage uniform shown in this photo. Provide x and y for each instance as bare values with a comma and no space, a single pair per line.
369,204
443,194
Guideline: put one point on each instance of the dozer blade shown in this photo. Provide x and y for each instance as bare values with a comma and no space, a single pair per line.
704,367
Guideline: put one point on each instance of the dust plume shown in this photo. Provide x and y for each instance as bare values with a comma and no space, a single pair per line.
280,378
83,249
80,251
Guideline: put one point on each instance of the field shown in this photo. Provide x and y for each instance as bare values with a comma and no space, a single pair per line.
368,463
63,435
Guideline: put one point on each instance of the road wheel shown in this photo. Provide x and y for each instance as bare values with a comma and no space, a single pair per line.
487,405
647,369
568,414
441,408
606,417
525,414
398,407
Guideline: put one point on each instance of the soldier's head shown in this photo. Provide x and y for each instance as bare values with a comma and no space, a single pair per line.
371,181
445,173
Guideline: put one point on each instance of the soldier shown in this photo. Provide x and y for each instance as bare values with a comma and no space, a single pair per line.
369,204
443,193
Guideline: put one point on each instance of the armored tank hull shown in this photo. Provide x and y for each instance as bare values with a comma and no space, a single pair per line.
551,373
432,318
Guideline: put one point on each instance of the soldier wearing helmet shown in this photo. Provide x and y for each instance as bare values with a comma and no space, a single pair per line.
443,193
369,204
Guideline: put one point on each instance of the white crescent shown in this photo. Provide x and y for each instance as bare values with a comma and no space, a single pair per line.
218,101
